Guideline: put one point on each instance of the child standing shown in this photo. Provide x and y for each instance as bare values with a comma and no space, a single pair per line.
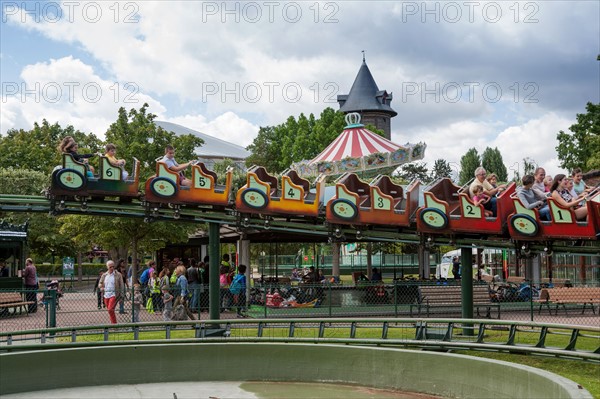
238,289
168,304
138,299
98,291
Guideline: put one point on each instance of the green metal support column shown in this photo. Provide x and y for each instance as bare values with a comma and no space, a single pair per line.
213,280
466,275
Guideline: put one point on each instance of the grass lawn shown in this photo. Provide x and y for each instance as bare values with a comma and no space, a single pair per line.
584,373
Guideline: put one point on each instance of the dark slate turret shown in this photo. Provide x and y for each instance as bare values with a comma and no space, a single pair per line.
366,98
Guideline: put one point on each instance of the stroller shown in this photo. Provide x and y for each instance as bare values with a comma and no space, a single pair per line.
52,285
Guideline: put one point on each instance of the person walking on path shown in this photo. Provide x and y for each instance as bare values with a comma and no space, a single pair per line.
30,281
111,284
456,268
181,289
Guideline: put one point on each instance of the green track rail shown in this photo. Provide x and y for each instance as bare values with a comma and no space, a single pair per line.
314,227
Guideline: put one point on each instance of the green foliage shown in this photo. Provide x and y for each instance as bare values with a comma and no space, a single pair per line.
468,163
441,168
277,147
135,135
23,181
491,160
414,171
36,149
123,235
43,236
581,148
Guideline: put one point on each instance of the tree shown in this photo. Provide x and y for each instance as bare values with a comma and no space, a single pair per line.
413,171
277,147
468,163
43,235
441,168
123,236
264,150
491,160
36,149
581,149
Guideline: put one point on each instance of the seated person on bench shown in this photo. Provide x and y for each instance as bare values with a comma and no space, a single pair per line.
111,152
169,159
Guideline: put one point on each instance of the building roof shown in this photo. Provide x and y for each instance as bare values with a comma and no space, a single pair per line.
212,147
13,232
365,95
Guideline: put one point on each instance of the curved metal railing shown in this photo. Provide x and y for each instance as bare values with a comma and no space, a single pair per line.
556,340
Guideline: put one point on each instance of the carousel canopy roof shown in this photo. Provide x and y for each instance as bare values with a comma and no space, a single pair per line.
355,141
359,149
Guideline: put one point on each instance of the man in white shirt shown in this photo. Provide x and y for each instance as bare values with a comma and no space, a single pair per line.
111,284
488,189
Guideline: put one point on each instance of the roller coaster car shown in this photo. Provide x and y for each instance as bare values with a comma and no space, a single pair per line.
379,202
72,179
164,187
262,195
449,208
525,224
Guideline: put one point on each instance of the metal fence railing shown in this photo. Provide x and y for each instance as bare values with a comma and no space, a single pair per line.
541,302
557,340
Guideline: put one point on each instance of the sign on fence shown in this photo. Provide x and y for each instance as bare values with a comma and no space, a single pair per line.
68,266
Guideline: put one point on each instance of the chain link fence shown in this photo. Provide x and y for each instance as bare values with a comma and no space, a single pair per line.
54,306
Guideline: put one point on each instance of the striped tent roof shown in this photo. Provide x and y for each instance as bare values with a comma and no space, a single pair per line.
355,142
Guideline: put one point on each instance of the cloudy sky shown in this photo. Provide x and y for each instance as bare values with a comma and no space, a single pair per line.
503,74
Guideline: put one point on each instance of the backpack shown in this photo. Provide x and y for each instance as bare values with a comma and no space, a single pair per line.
145,276
236,285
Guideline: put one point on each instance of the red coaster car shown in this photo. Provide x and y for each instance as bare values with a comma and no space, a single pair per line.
164,187
525,224
262,195
73,178
380,202
449,209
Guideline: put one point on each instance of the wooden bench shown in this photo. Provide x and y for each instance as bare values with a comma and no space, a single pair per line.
450,296
557,282
14,300
569,296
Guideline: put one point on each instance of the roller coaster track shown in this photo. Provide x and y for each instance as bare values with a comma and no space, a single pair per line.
309,227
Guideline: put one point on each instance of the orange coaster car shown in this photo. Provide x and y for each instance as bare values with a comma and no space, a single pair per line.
262,195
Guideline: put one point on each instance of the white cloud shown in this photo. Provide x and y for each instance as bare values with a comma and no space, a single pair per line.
535,139
228,126
69,92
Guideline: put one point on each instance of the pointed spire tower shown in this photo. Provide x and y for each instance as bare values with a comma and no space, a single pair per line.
372,104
